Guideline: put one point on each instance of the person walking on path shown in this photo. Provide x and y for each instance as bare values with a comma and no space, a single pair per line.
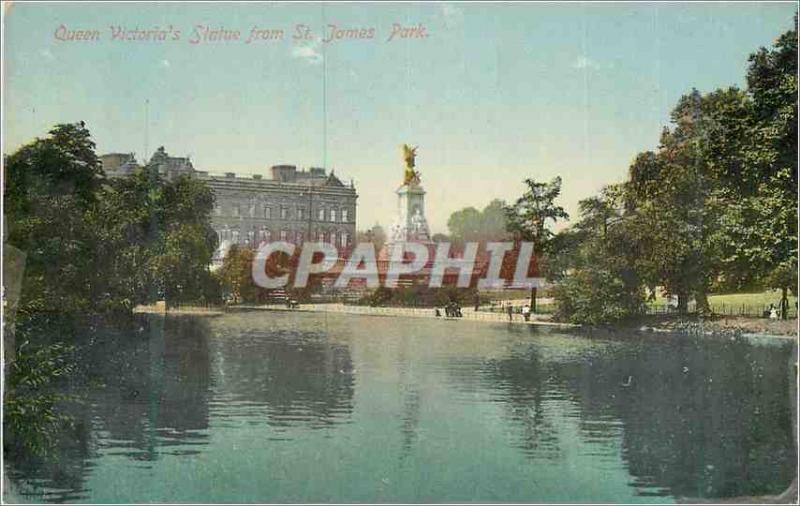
526,312
510,311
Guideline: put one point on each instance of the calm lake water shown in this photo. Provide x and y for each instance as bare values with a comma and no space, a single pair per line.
299,407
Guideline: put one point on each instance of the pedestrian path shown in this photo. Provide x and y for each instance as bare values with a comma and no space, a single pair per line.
468,314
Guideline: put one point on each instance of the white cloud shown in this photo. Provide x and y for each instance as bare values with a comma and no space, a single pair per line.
310,53
583,62
165,63
47,54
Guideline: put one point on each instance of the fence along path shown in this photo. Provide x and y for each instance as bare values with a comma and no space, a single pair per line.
467,313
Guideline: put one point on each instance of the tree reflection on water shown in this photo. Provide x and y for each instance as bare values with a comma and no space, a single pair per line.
697,417
685,417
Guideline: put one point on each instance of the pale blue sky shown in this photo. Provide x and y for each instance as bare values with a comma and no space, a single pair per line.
494,94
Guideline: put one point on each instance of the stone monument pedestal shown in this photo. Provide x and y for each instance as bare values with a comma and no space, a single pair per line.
410,224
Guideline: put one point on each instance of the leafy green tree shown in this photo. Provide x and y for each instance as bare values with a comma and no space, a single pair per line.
598,283
236,275
784,278
678,196
470,224
31,420
182,263
762,226
129,237
593,295
51,186
493,221
465,224
530,217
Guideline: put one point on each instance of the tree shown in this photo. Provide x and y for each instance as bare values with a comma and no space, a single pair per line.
594,295
188,244
493,221
772,83
530,216
598,283
376,235
679,195
129,237
784,278
51,186
470,224
465,224
236,276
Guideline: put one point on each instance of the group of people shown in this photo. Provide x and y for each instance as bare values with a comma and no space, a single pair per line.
526,312
451,310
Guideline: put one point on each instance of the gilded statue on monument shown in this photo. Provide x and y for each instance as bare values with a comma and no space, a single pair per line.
410,176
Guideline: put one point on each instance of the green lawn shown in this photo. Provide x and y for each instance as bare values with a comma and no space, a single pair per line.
751,298
751,302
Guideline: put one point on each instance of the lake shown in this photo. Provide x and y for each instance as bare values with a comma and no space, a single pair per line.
302,407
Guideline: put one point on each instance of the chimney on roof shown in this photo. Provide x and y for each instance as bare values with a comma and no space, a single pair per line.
284,173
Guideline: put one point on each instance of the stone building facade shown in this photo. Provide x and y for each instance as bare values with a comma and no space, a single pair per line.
291,205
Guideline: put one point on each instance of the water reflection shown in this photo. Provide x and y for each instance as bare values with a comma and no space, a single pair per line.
282,376
151,389
436,412
526,389
696,417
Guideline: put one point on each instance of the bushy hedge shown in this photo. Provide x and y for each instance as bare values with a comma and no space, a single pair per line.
597,297
419,296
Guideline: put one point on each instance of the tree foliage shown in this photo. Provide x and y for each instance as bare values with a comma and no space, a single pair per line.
51,186
530,218
471,224
715,206
92,245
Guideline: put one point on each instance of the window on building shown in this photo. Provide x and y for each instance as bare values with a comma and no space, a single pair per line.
321,214
301,213
344,239
251,237
333,214
235,236
300,237
236,210
267,213
284,213
345,215
284,235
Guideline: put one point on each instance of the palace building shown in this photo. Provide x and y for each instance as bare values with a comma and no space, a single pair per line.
291,205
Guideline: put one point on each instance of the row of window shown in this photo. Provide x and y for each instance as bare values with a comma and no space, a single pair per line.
258,237
299,214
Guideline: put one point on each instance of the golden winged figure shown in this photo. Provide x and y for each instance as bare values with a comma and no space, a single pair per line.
409,155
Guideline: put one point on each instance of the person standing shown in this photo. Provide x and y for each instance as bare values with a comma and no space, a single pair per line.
526,312
773,313
510,311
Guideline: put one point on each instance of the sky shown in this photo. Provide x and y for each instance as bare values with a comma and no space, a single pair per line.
491,94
